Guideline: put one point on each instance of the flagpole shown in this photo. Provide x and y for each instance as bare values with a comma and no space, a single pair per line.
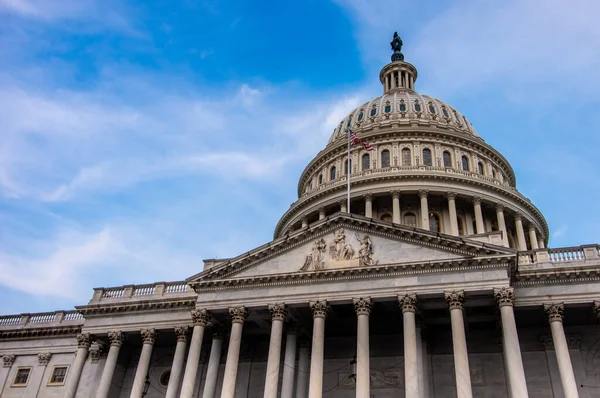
349,166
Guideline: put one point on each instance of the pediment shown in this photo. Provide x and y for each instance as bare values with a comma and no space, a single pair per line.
347,241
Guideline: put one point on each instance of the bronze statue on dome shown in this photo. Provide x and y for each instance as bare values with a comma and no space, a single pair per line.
396,44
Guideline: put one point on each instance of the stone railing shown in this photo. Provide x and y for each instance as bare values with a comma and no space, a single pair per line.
137,292
561,257
41,319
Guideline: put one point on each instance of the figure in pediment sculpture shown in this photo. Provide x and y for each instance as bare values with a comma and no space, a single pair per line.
365,253
315,259
339,250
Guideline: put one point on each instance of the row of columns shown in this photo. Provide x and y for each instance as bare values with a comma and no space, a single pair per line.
413,373
535,241
398,79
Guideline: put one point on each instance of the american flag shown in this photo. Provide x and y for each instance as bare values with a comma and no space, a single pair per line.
355,140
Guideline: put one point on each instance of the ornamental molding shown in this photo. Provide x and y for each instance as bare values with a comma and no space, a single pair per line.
362,305
84,340
319,308
137,306
96,353
408,302
200,317
40,332
182,333
505,296
116,338
555,312
8,360
149,335
238,314
455,299
529,275
340,221
44,358
278,311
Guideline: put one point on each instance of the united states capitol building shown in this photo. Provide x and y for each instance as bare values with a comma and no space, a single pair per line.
434,280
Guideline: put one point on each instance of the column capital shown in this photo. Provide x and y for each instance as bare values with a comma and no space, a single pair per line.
8,360
200,316
362,305
44,358
597,309
408,302
238,314
505,296
531,227
518,217
554,311
423,193
343,202
451,195
319,308
321,210
148,335
182,333
499,207
96,353
477,200
84,340
291,326
278,311
116,337
218,331
368,197
455,299
395,194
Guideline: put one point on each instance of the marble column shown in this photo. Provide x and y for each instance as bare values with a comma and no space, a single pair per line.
238,316
289,361
214,360
182,333
479,228
304,222
533,238
369,206
541,242
43,360
362,306
116,338
555,314
344,206
321,213
396,207
148,339
505,297
200,318
7,362
424,209
84,341
520,232
319,309
455,301
452,212
408,303
303,371
278,312
502,223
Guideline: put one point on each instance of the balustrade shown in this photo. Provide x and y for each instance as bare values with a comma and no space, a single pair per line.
141,291
25,320
566,254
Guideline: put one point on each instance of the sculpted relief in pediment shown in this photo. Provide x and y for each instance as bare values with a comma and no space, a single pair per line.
341,253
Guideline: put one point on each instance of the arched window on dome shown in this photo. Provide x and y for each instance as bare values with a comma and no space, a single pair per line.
465,163
406,158
347,163
349,121
456,117
320,179
431,108
445,112
427,161
366,161
447,159
361,115
410,220
480,168
373,111
417,106
402,106
388,107
493,173
332,173
434,222
386,217
385,158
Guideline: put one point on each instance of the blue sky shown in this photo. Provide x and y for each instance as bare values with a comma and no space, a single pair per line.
138,138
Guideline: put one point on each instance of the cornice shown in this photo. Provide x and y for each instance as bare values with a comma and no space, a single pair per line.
301,206
137,306
555,276
57,331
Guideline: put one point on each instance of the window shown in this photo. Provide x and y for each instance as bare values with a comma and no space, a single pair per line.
431,108
493,173
427,157
406,157
360,116
347,163
373,112
445,111
402,106
58,375
456,117
385,158
332,173
164,378
21,377
388,108
417,106
349,121
386,217
461,226
465,163
480,168
366,161
320,179
410,220
434,222
447,159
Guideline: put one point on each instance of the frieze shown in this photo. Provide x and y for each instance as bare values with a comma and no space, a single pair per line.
40,332
145,306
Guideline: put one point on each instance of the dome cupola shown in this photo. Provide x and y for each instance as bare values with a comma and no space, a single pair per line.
397,75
